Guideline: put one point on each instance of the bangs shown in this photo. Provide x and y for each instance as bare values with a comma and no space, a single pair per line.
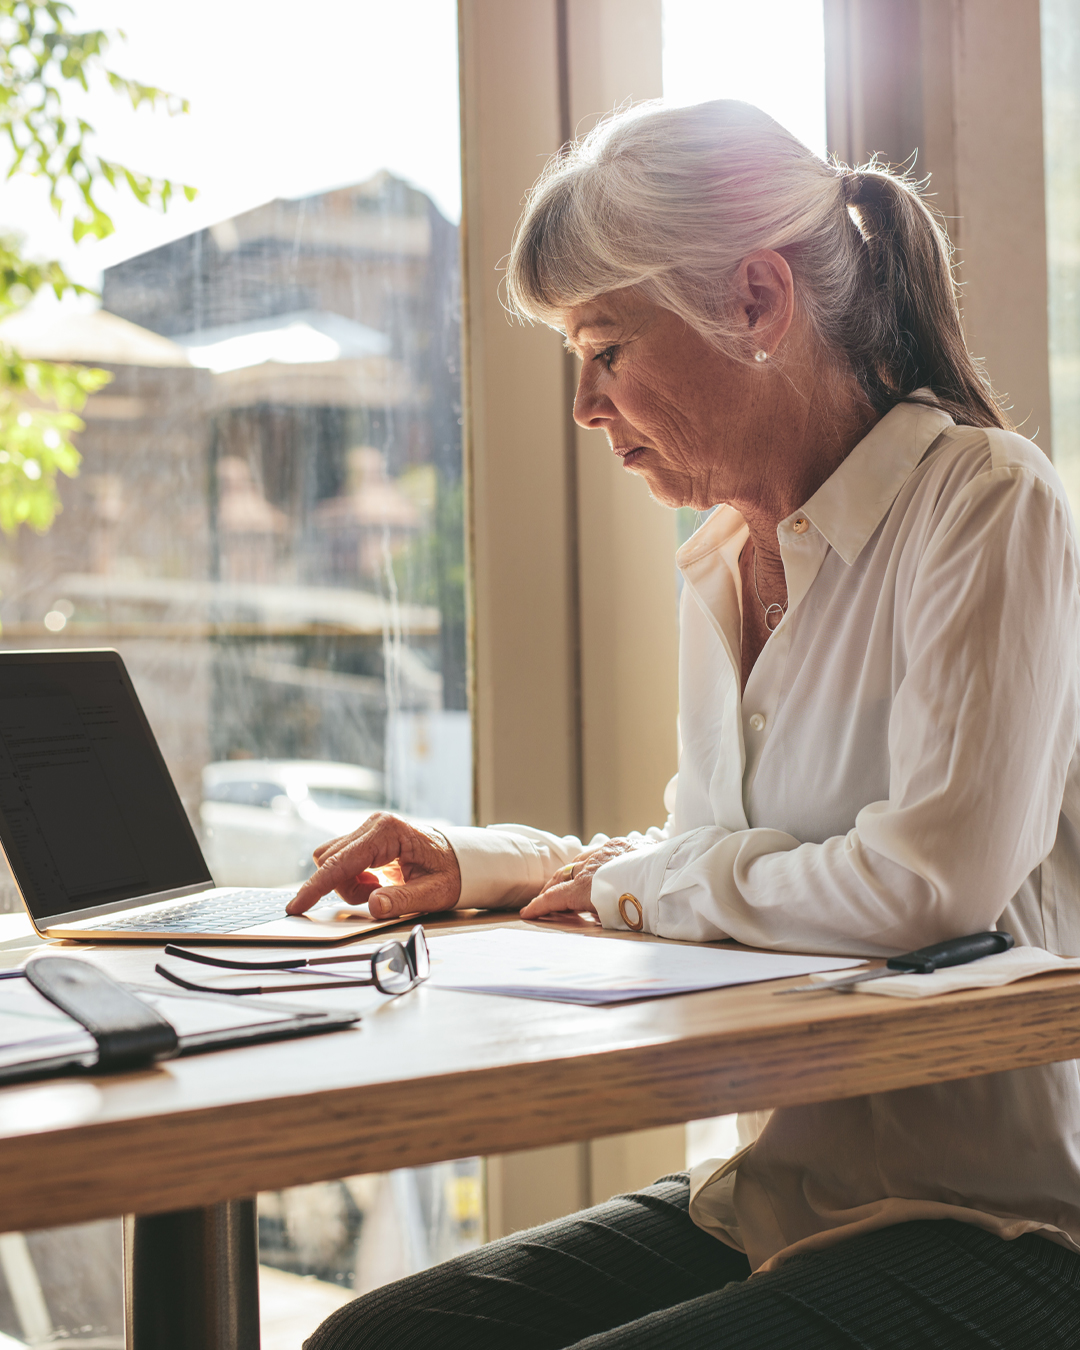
566,248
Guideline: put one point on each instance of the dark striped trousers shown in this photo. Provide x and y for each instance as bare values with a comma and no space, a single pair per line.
636,1274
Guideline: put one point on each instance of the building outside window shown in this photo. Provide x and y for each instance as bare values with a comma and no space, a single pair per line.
268,521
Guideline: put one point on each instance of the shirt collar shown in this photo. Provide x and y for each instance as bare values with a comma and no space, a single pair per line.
853,501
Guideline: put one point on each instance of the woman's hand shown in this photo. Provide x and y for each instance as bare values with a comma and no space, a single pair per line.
572,893
422,866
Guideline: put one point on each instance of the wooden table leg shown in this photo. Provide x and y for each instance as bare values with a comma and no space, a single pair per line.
191,1279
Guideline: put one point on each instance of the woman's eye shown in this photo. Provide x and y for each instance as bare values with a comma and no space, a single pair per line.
607,356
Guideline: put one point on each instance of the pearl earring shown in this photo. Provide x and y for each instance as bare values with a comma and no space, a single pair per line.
761,356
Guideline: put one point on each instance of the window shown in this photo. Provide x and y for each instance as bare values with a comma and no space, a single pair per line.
243,793
268,520
342,799
1061,117
712,49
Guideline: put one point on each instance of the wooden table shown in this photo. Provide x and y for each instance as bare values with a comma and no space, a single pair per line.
438,1075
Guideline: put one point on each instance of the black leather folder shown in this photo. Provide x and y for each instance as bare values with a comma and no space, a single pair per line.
59,1013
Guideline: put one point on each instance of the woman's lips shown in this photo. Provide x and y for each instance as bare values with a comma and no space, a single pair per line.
630,457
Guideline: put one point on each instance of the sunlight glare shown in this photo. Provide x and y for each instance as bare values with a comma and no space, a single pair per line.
284,103
770,53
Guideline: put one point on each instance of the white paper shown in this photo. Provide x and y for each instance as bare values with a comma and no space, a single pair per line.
569,968
1019,963
32,1028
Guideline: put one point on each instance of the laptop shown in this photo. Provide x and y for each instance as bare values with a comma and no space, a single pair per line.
93,828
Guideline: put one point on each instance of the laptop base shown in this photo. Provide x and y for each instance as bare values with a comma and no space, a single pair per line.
290,928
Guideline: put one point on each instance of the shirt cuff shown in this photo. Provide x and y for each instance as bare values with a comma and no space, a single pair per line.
637,875
500,870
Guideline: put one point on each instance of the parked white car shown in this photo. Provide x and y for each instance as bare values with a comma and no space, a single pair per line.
261,818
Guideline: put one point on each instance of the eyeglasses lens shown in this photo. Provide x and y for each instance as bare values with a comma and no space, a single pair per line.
392,971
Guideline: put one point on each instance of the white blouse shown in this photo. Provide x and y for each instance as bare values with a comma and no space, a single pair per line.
902,768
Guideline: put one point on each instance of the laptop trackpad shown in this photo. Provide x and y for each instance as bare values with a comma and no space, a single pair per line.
301,928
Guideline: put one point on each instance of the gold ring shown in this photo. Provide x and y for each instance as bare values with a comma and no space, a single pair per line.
635,925
567,873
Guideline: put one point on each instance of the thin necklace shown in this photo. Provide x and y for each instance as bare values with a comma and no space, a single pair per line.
780,609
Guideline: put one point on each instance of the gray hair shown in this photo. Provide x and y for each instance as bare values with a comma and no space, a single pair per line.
670,200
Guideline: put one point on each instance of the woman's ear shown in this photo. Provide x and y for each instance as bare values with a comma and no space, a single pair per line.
765,299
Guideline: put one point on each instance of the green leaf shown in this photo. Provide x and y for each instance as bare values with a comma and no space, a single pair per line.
35,438
37,61
41,58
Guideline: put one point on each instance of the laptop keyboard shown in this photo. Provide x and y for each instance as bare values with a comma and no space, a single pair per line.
212,914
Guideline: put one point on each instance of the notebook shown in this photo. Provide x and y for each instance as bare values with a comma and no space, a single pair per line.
94,830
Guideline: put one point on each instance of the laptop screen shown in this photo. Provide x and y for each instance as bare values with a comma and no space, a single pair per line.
88,812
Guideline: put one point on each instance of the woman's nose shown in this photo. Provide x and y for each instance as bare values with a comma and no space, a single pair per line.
591,408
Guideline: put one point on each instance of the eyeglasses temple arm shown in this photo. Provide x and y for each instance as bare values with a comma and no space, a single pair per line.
258,988
201,988
338,960
171,950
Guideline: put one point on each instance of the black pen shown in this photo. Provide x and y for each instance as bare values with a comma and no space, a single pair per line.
924,961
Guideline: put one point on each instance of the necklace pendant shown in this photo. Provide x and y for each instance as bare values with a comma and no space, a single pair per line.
773,615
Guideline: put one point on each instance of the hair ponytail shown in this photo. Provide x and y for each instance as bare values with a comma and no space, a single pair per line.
672,199
903,329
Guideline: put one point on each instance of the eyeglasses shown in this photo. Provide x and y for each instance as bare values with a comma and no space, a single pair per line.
395,969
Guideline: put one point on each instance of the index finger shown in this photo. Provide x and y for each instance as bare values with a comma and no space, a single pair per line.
370,848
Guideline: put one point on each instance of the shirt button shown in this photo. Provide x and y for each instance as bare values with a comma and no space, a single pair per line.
757,721
801,525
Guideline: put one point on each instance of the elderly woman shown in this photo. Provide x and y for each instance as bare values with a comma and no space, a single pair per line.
879,718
